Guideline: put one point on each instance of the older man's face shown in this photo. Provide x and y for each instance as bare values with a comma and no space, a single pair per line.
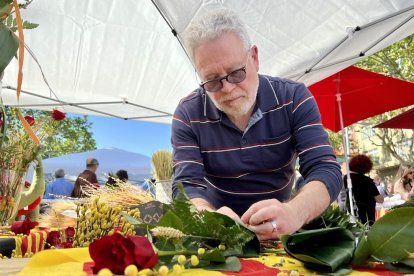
219,57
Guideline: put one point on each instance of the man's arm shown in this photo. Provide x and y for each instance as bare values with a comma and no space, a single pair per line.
311,202
202,204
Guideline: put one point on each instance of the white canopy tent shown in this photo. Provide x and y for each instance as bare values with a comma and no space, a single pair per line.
121,58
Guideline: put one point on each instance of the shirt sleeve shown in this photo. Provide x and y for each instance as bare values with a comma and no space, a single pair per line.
187,160
316,157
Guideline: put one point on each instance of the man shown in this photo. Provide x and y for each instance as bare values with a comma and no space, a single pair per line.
58,187
377,181
86,178
236,138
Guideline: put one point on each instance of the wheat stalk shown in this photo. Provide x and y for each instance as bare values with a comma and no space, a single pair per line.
162,165
122,195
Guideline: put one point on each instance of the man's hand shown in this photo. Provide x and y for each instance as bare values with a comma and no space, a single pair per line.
202,204
230,213
264,215
270,218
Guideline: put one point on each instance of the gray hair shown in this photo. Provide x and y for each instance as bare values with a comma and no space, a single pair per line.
60,173
211,26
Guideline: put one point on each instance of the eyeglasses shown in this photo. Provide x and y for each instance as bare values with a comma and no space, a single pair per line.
236,76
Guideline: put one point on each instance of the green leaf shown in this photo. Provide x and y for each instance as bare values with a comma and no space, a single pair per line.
170,219
29,25
362,252
231,264
214,255
390,239
334,248
5,8
131,219
405,266
8,45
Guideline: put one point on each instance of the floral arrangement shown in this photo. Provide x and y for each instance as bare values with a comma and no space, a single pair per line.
60,238
19,149
183,238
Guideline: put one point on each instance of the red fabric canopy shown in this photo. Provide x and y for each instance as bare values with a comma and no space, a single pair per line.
363,94
404,120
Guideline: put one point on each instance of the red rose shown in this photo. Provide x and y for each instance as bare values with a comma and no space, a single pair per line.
53,238
114,252
23,226
70,232
145,257
58,115
29,120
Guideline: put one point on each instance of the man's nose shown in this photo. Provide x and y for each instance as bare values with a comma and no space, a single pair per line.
227,86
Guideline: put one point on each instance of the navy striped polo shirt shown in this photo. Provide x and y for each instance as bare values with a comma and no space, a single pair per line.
220,163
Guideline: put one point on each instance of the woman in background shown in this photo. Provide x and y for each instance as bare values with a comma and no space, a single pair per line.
404,186
364,189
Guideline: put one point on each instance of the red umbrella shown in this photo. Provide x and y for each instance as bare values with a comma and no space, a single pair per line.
362,94
404,120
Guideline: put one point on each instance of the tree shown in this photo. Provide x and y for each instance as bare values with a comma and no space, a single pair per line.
73,134
397,61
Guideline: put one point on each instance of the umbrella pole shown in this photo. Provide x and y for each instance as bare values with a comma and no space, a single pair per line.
345,142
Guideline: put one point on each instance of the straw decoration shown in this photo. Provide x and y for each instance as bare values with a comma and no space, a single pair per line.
162,165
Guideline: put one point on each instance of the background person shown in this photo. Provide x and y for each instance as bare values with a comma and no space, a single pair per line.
237,137
58,187
86,178
377,181
364,189
404,186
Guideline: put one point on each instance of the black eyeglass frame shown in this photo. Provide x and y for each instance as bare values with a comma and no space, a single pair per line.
226,77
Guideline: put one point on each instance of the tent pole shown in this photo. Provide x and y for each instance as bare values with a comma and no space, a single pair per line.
345,143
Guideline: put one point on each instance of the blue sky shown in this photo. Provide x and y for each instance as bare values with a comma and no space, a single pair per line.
131,135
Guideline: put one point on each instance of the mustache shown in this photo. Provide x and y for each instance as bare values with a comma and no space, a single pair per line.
232,96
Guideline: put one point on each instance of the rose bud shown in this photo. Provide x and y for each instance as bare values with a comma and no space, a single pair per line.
58,115
29,120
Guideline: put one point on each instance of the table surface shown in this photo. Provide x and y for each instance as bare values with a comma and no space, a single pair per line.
12,266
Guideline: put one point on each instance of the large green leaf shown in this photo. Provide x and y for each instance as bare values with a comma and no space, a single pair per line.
231,264
404,266
170,219
5,7
390,239
324,250
8,45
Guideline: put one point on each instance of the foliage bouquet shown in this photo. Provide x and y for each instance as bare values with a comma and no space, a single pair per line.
18,151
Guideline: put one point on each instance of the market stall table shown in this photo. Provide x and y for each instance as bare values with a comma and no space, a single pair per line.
75,262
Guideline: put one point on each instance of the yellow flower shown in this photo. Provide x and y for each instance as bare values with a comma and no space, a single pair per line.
131,270
181,259
222,247
163,270
201,251
194,260
105,272
177,268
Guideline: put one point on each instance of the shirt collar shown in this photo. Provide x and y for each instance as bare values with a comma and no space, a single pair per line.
266,99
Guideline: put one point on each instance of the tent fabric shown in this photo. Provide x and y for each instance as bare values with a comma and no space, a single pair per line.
121,58
404,120
362,93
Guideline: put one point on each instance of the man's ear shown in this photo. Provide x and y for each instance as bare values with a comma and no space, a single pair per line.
254,53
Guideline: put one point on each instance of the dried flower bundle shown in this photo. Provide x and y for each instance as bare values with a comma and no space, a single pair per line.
122,195
54,217
162,165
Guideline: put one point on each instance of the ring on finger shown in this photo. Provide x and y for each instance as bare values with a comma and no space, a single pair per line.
274,225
